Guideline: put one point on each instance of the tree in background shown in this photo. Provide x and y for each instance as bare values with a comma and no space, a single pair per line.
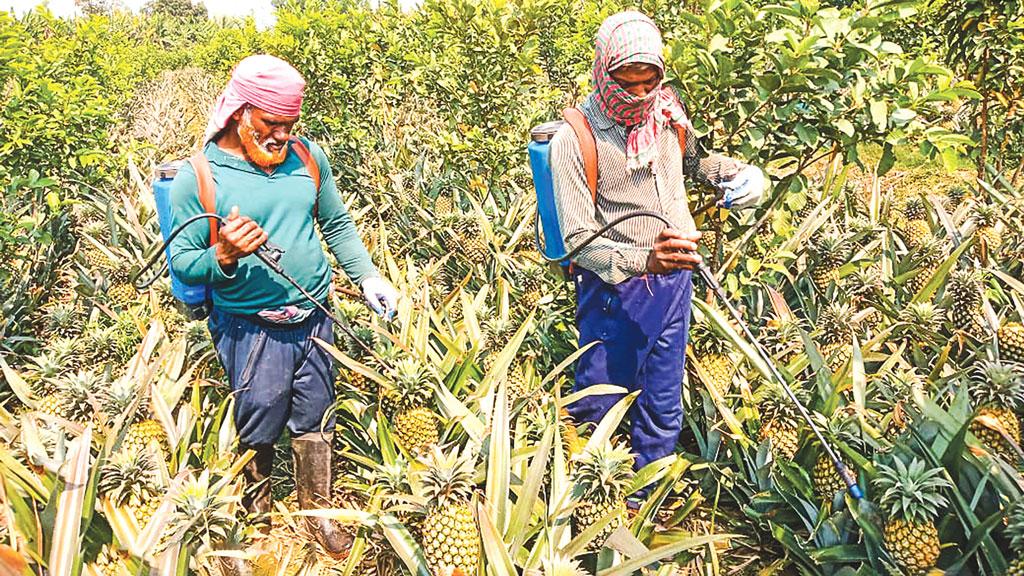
181,9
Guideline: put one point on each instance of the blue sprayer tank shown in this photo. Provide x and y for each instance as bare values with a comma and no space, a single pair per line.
539,149
193,297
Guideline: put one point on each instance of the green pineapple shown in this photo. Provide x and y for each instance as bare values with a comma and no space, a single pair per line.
530,281
600,477
1015,530
928,257
826,480
406,400
471,240
897,389
997,391
829,252
964,289
780,421
449,533
912,497
834,333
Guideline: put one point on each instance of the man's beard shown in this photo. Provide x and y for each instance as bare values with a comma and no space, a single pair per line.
258,152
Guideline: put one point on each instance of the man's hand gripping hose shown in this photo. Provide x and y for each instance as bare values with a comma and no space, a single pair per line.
848,476
269,254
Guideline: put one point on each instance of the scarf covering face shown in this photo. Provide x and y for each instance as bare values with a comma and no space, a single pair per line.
264,81
633,38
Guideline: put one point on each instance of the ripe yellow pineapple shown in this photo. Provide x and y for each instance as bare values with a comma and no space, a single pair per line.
406,401
50,405
712,353
129,479
912,497
828,253
530,281
780,421
600,477
1011,342
444,204
989,240
141,435
997,391
827,481
927,258
449,532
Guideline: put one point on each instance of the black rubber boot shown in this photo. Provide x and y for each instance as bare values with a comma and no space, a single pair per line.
313,482
257,498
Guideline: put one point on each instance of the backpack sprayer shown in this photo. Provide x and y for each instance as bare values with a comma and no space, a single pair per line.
552,249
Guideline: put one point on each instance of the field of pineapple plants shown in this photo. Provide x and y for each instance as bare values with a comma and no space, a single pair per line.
884,273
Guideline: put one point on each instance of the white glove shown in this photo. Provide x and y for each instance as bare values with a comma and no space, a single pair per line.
744,190
380,296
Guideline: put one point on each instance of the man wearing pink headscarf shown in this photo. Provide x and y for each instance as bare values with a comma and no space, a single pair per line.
262,326
633,285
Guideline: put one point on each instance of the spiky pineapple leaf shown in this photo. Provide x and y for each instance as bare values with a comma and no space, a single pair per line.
979,533
495,551
71,500
528,493
941,273
606,427
496,488
667,551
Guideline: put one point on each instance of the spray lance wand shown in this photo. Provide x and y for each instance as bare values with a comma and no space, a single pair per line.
848,476
268,253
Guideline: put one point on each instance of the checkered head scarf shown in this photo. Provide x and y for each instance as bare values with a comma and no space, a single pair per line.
632,38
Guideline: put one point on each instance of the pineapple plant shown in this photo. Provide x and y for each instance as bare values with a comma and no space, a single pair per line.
530,281
897,389
964,289
928,257
783,338
143,434
353,347
997,391
1015,530
912,497
989,240
129,480
444,204
712,353
559,565
600,476
828,253
1011,341
780,421
449,533
920,323
406,401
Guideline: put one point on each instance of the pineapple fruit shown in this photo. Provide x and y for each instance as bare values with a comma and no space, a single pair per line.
997,390
143,434
828,252
406,401
712,353
964,289
530,281
1015,530
600,477
780,422
129,479
835,335
914,225
1011,341
449,533
827,481
470,239
989,240
912,497
929,255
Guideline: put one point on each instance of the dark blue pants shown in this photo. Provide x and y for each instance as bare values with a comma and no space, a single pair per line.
642,325
278,375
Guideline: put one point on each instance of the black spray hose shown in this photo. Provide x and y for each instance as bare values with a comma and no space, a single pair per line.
270,255
848,476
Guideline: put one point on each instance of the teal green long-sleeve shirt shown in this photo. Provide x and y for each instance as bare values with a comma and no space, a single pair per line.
282,203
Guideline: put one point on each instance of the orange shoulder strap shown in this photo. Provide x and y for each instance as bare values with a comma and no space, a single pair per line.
311,166
681,133
207,189
588,146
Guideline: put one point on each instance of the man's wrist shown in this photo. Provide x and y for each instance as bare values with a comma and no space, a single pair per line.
227,264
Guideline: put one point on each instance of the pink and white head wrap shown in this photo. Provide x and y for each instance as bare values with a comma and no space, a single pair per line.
266,82
632,38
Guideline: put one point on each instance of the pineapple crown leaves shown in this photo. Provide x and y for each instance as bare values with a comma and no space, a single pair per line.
202,513
413,381
912,493
984,215
1015,526
914,208
830,249
391,482
835,323
931,251
774,403
899,386
448,478
128,477
997,384
922,320
602,473
706,339
559,565
965,282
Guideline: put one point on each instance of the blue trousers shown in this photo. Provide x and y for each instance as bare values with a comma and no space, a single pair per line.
278,375
641,325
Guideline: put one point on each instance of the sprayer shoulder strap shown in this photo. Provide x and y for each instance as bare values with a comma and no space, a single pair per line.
588,146
208,190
